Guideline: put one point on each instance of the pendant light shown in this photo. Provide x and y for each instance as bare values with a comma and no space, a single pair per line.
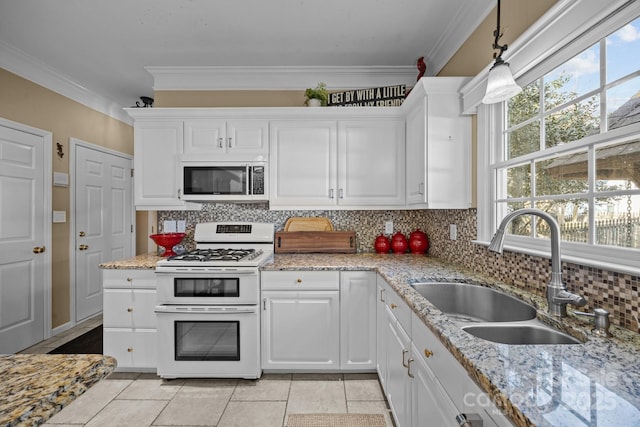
500,83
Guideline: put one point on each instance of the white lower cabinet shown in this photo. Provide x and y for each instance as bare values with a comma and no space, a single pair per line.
300,320
129,323
357,321
423,382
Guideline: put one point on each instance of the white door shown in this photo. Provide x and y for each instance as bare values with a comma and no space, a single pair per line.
24,214
103,220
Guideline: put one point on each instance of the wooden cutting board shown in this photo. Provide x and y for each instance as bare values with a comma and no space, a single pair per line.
308,224
315,241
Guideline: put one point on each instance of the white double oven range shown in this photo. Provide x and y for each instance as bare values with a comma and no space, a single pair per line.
207,307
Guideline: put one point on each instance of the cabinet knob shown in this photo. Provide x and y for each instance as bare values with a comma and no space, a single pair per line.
393,306
130,350
428,353
129,309
129,279
299,280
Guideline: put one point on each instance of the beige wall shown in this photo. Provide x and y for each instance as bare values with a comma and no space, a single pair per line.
30,104
229,98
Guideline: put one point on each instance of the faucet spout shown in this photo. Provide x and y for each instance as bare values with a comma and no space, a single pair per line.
557,295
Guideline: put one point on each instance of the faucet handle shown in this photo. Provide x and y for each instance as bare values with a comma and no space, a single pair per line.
600,321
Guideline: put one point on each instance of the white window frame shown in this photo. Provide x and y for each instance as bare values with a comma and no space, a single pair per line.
564,31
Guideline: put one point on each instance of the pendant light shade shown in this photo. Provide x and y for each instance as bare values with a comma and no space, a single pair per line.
500,84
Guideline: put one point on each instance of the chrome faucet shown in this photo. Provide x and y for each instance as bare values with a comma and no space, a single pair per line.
557,295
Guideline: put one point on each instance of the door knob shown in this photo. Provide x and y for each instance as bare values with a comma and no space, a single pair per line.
82,234
83,247
38,249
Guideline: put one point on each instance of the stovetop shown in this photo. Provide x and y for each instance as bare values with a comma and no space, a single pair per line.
225,254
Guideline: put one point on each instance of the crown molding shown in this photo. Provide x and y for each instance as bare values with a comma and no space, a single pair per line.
28,67
278,78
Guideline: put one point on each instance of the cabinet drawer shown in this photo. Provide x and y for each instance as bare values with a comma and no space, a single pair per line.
300,280
398,307
115,278
129,308
131,348
444,366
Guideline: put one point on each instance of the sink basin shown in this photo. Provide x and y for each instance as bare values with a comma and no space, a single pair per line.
520,334
473,303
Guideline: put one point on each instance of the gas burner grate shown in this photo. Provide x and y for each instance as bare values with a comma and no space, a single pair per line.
203,255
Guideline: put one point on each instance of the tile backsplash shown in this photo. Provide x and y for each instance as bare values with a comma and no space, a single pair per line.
616,292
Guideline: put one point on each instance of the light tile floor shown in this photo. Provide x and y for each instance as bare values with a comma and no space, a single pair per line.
143,399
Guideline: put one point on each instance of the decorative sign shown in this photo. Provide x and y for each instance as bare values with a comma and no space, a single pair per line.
387,96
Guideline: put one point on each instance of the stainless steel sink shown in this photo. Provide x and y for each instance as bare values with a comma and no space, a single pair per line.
520,334
473,303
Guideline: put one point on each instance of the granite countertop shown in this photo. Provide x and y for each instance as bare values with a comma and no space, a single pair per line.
140,262
33,387
594,384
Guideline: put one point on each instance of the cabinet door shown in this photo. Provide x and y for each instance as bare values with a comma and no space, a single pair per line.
357,320
448,153
157,147
430,404
204,136
249,137
303,163
398,385
381,326
416,165
371,158
300,330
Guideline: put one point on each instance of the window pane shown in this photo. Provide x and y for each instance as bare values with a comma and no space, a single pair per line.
623,104
572,216
618,166
574,78
525,105
519,181
524,140
618,221
562,175
520,225
621,46
573,123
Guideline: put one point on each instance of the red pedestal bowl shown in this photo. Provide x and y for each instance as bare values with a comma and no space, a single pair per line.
167,241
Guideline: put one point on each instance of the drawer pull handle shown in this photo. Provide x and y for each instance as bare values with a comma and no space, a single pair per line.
404,352
382,295
279,241
409,368
393,306
129,309
428,353
130,350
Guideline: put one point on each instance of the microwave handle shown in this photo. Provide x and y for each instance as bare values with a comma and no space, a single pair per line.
250,178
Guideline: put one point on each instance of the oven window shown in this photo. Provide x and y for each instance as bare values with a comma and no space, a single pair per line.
207,340
206,287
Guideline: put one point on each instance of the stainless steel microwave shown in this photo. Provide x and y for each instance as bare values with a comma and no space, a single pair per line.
224,181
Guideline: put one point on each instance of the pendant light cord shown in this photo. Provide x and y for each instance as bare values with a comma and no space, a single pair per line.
497,34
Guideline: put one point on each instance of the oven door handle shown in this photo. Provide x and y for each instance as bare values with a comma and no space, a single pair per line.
205,309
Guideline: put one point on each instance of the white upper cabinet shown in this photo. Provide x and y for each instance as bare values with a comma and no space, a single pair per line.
438,161
340,164
245,138
303,163
157,149
371,156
